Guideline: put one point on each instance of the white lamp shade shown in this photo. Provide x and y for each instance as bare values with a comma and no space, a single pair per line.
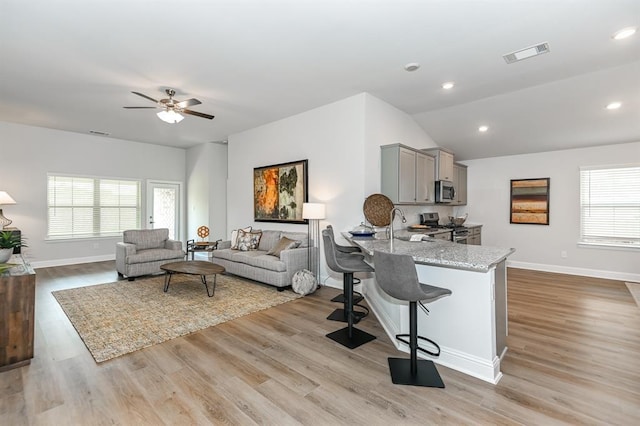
170,116
313,211
6,198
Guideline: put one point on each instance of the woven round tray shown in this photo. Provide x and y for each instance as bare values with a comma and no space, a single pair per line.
377,208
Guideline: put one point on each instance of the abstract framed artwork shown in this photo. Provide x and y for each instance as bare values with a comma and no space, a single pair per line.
279,191
530,201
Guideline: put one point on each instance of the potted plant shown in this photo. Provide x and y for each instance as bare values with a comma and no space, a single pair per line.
9,241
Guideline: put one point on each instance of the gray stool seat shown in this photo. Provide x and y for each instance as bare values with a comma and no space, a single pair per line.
357,298
397,276
346,264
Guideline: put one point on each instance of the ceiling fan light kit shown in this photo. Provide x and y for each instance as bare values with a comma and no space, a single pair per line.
172,110
170,116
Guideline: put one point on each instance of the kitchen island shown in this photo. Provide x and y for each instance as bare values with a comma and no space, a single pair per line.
470,325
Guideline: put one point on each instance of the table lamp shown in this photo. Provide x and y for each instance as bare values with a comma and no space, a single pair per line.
5,199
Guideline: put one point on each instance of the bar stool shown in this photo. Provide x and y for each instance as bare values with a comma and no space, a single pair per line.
346,249
346,264
396,274
341,314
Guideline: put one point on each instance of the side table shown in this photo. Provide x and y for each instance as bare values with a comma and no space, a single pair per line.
193,247
17,309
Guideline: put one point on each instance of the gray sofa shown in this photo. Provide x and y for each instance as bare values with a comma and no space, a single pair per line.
267,268
142,251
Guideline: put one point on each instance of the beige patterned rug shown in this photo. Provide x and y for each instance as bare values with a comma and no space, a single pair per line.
122,317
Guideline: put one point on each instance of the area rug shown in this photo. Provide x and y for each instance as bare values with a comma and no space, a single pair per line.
122,317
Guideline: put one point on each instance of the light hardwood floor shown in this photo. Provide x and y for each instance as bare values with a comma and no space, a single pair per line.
573,358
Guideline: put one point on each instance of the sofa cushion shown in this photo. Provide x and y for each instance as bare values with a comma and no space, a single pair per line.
298,236
257,258
153,255
269,239
248,240
284,244
146,238
234,236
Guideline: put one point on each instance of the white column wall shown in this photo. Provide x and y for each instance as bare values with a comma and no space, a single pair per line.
207,190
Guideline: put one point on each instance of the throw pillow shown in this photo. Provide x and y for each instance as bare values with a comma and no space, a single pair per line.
284,244
234,236
248,240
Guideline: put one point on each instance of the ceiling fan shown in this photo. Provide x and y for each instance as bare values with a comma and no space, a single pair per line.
171,108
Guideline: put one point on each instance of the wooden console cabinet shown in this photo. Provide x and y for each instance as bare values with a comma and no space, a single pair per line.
17,308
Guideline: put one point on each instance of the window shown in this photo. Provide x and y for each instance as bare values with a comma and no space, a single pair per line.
87,207
610,206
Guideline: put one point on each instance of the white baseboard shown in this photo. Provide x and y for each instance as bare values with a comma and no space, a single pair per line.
594,273
72,261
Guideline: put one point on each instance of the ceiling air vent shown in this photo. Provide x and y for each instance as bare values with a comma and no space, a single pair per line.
525,53
99,133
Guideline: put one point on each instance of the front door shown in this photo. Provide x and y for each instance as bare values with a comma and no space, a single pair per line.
163,207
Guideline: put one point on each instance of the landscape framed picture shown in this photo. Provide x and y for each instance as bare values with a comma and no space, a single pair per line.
279,191
530,201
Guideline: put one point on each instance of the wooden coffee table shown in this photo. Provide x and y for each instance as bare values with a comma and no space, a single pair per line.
193,267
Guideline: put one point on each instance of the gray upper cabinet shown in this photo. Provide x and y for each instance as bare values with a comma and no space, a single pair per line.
459,184
444,163
407,175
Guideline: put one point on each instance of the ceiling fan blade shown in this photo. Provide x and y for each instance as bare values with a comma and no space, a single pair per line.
145,96
140,107
187,103
197,114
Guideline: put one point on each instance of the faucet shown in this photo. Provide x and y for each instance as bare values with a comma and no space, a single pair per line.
392,216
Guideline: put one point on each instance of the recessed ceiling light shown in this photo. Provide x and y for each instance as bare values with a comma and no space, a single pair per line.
412,66
448,85
614,105
483,129
624,33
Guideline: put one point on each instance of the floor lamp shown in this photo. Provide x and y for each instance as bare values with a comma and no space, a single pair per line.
313,212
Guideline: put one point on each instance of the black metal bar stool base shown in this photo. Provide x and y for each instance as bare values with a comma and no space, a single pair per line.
340,315
426,374
341,299
358,337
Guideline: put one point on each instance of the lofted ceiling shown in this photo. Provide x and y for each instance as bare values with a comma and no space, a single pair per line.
72,65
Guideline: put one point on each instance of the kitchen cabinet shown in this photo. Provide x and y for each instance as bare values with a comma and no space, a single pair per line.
460,185
444,163
475,235
407,175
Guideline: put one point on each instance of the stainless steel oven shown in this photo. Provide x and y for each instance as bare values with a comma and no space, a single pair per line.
460,234
460,239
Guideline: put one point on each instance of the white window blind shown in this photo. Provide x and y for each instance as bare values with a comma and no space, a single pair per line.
610,205
85,207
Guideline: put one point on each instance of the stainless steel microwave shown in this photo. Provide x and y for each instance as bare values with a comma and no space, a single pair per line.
445,193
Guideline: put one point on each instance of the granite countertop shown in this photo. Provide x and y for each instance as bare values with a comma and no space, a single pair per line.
435,252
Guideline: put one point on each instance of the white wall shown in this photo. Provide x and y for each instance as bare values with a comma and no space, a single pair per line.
342,143
539,246
206,169
29,153
330,137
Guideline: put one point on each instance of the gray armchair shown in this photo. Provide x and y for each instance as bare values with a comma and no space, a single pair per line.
143,251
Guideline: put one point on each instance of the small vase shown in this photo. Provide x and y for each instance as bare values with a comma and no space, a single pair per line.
5,254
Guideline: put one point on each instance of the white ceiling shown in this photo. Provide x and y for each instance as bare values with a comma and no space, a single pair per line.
72,64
